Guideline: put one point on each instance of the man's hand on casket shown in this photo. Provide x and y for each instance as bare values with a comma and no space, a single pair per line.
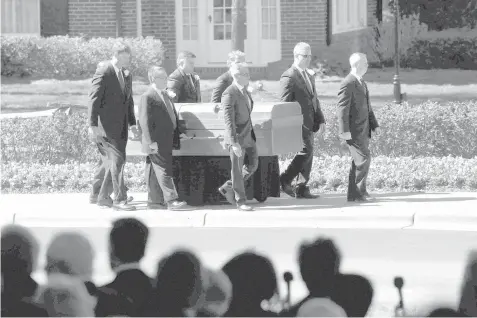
237,150
183,136
154,146
135,132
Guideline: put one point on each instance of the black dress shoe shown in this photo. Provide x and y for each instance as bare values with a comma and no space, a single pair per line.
228,193
286,187
304,193
358,199
123,206
176,205
244,207
105,203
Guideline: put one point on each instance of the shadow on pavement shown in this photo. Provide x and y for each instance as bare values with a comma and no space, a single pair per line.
450,199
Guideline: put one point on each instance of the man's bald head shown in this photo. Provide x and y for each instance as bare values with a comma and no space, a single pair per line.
358,63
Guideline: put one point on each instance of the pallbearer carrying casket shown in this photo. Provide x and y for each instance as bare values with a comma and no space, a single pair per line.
226,79
159,124
184,86
239,136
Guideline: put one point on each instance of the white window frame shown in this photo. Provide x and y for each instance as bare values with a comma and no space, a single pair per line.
358,18
14,33
268,23
189,24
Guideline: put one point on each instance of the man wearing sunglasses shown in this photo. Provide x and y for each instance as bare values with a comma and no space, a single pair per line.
297,85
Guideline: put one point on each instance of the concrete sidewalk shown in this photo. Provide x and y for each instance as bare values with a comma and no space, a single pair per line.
440,211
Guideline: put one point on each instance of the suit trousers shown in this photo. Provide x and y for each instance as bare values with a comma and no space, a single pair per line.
302,162
241,172
99,174
361,160
113,160
159,180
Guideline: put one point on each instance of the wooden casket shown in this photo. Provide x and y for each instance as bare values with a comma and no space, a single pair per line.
277,126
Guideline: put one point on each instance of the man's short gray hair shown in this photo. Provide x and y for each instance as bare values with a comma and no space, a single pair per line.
355,58
184,55
236,68
300,47
154,73
234,57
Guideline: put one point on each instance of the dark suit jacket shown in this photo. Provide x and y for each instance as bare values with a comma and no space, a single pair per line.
237,115
136,286
179,83
17,300
355,114
110,108
156,125
221,84
293,88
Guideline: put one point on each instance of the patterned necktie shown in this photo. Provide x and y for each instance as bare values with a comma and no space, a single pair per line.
121,79
307,80
247,98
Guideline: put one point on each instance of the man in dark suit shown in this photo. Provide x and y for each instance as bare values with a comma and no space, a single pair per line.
111,110
159,124
296,85
239,135
226,79
100,171
356,121
127,245
183,83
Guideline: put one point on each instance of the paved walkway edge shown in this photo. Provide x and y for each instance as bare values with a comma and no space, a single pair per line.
457,221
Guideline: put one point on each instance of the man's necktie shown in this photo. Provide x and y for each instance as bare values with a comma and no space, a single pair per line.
307,80
169,109
121,79
191,80
247,98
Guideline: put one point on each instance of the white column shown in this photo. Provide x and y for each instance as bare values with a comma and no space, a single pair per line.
139,17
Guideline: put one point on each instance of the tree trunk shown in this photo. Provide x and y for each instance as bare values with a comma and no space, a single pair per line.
238,25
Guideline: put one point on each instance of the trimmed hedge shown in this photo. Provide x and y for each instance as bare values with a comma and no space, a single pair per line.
452,48
72,56
329,174
426,130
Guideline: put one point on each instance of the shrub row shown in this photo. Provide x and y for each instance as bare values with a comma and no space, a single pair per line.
329,174
427,130
452,48
71,56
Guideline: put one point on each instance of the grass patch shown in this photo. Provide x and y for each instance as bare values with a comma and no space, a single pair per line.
35,94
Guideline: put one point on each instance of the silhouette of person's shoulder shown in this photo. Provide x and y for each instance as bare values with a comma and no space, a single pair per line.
23,308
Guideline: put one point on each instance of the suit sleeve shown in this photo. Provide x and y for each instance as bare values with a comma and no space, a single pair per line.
174,84
319,116
219,88
344,104
229,116
373,122
286,89
131,114
144,119
96,96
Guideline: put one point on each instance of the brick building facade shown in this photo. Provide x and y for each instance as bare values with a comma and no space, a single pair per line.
333,28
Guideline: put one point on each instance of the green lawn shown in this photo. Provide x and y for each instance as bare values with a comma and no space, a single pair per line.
24,95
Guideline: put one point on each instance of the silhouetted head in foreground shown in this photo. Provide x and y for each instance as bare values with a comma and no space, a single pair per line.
178,284
253,281
354,293
19,257
445,312
127,241
319,266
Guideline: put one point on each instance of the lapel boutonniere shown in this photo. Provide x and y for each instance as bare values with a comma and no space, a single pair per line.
126,73
171,94
196,77
250,89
